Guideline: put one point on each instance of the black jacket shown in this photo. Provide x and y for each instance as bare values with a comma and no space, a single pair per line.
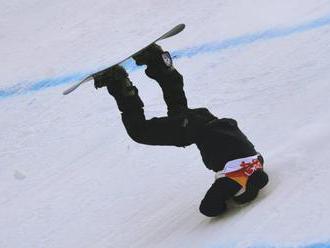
219,140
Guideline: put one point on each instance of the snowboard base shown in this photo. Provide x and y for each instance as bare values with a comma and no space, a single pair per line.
174,31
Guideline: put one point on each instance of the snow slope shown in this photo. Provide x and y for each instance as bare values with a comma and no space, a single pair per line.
70,176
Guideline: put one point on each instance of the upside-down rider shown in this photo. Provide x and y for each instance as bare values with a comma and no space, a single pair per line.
238,167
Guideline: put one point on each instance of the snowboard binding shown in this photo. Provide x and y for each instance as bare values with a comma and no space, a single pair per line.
154,56
116,80
113,74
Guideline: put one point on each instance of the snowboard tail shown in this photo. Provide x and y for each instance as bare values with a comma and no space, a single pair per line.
174,31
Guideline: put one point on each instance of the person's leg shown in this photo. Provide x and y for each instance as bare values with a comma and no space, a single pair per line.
214,202
167,131
157,131
160,68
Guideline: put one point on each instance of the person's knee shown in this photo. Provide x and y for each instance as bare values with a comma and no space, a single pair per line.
136,134
134,123
212,209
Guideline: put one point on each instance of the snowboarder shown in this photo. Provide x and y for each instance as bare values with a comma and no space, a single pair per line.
223,146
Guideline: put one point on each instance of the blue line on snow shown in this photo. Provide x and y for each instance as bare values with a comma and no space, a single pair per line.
319,245
190,52
316,245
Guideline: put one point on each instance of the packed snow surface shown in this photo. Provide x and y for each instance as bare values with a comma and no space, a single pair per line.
71,177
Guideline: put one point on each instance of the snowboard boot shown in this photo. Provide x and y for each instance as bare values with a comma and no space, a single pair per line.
160,68
120,87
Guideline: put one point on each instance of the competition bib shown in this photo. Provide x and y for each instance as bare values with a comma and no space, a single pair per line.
240,169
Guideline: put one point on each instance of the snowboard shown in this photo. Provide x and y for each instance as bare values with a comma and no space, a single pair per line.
174,31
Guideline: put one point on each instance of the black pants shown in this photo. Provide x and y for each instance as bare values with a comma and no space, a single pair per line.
170,130
166,131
